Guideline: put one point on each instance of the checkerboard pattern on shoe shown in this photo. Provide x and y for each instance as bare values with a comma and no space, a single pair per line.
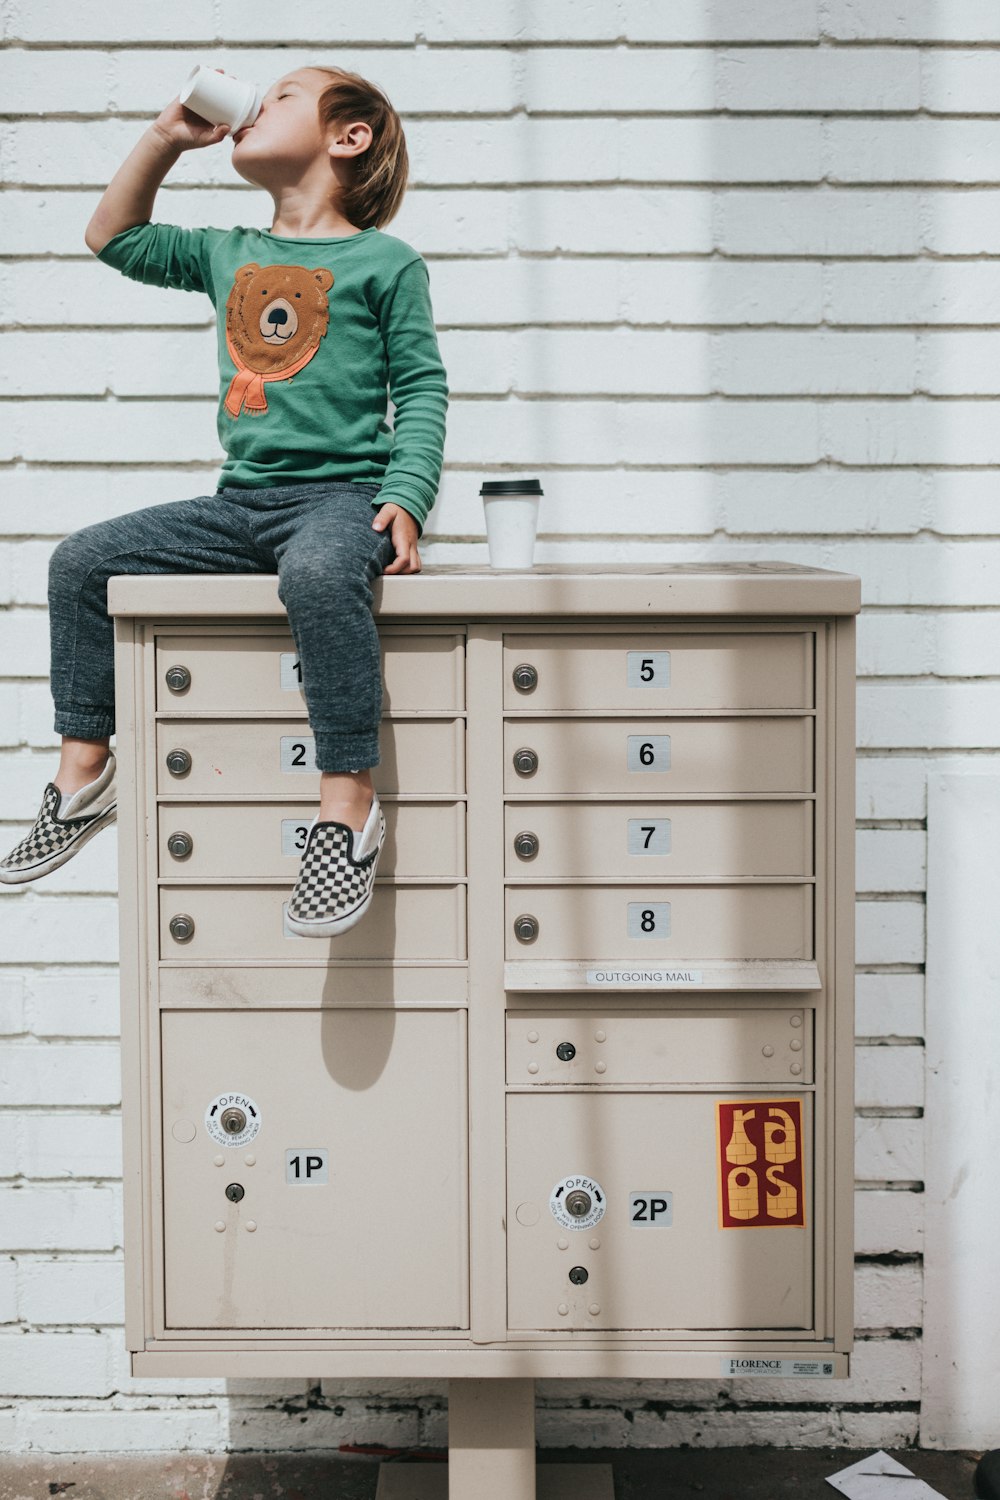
63,825
337,876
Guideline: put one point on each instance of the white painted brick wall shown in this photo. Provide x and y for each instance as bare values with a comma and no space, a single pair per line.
726,277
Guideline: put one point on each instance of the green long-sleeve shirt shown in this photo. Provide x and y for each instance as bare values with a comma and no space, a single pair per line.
310,333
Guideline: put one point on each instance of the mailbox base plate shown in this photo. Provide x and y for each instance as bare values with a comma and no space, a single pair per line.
553,1482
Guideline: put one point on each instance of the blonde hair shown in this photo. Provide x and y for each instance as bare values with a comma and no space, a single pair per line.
380,173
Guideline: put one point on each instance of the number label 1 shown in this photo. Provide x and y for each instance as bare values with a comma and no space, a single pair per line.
298,752
649,835
294,836
305,1166
290,669
649,919
651,1209
648,752
648,669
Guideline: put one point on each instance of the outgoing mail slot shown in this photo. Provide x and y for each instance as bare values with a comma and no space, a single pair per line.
243,924
658,757
232,839
672,840
745,1046
659,670
612,923
277,757
260,672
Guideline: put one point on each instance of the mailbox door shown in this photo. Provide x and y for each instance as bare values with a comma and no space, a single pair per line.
646,1267
352,1168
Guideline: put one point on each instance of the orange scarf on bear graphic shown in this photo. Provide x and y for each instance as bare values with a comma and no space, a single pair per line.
246,389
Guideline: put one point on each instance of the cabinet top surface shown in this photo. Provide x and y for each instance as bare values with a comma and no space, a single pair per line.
453,590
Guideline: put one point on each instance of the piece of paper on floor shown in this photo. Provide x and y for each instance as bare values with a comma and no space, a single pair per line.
881,1478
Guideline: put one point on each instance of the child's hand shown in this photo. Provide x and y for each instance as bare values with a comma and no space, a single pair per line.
404,537
185,130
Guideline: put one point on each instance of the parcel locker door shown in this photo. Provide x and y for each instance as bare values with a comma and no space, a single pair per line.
314,1169
659,1211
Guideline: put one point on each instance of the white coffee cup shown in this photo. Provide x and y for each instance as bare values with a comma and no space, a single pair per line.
511,507
220,98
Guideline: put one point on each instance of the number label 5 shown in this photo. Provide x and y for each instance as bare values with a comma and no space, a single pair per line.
650,669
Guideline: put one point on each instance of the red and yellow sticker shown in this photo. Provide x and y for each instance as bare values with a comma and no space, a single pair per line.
760,1164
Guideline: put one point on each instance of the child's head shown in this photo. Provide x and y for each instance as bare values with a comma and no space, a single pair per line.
332,135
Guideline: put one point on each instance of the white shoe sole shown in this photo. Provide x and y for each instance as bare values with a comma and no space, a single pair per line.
331,926
35,872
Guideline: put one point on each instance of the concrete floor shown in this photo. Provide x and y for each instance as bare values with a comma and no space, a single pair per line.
642,1474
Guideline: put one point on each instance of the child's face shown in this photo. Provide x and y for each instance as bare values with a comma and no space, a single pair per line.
287,139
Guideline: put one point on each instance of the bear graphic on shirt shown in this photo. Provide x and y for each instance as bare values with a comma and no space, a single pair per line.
275,318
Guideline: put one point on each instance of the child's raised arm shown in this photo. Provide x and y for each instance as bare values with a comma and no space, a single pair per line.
129,196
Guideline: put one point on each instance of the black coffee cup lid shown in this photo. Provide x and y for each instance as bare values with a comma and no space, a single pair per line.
511,487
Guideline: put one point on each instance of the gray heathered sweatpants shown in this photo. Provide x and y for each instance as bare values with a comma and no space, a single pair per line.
318,538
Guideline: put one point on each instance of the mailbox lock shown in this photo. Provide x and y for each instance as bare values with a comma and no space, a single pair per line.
525,927
178,762
180,845
525,677
565,1051
234,1192
526,845
178,678
182,928
578,1275
233,1120
578,1203
525,761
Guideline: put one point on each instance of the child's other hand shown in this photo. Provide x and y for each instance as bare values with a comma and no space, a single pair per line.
404,532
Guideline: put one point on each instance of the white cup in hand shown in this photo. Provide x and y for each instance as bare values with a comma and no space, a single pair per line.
220,98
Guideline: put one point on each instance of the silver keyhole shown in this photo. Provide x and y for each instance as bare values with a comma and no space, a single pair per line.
178,762
235,1191
578,1275
233,1120
178,678
525,927
578,1203
180,845
525,677
526,845
525,761
182,928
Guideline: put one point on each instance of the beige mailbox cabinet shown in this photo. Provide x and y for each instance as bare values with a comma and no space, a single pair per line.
574,1098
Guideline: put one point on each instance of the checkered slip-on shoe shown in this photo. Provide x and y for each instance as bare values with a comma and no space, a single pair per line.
64,824
336,876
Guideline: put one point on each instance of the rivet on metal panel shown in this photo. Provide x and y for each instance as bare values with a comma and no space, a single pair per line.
767,1051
